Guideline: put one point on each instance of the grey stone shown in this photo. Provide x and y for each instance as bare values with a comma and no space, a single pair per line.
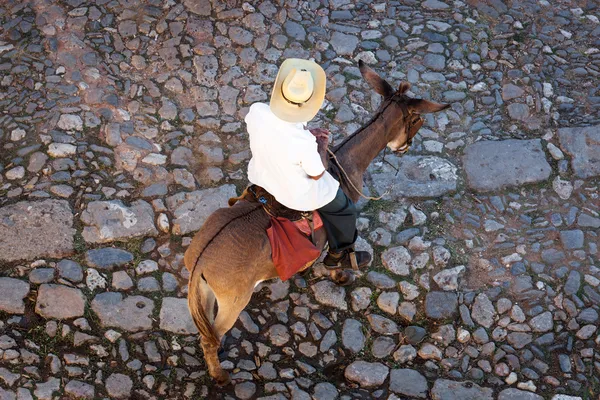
444,389
382,325
587,221
119,386
295,30
494,165
367,374
430,352
483,311
583,145
381,281
353,338
518,111
245,390
121,281
447,279
190,209
572,239
13,292
344,45
59,302
330,294
80,390
41,275
111,220
45,390
240,36
107,258
405,353
46,226
383,347
148,284
436,62
414,334
510,91
278,334
418,176
200,7
408,382
542,322
206,70
441,305
434,5
325,391
552,256
175,316
516,394
397,260
70,122
519,339
130,313
573,283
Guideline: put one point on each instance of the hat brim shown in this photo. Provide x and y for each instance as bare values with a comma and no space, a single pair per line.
291,112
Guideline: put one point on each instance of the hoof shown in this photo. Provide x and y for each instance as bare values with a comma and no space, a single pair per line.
343,277
223,379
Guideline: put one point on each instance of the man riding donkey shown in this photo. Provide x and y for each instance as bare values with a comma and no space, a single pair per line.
289,161
240,246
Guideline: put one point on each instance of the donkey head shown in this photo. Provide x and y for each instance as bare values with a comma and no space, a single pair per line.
402,113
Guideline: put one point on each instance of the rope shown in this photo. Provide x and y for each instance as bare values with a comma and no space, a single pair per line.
352,183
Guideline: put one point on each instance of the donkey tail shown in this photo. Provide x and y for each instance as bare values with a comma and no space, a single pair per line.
212,227
205,327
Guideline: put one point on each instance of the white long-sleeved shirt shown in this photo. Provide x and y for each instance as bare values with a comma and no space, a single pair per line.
284,157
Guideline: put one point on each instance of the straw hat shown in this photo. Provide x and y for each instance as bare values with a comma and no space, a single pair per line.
299,90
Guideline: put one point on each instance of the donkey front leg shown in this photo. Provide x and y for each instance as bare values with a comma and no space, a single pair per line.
342,277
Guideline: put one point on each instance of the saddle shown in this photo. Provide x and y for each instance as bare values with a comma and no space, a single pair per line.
257,194
290,232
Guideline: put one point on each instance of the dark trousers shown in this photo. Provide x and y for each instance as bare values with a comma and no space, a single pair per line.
339,220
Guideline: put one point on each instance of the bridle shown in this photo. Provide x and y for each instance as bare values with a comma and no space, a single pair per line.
412,121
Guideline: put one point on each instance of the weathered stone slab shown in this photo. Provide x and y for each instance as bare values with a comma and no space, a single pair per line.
107,258
408,382
444,389
175,316
367,374
131,314
111,220
33,229
13,292
516,394
59,302
191,209
419,176
494,165
583,145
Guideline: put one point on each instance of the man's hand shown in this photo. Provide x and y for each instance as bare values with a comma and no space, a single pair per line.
320,133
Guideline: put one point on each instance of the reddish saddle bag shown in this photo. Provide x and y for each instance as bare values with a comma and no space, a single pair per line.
292,251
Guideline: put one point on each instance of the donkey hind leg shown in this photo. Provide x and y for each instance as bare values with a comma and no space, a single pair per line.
230,305
208,300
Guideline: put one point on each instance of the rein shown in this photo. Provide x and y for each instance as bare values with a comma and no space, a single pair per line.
415,125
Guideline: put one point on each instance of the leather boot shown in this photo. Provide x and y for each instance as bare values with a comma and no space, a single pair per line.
347,259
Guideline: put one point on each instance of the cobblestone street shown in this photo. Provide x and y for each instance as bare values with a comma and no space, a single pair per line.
121,130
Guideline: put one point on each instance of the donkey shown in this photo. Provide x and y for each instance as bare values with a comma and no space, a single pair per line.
231,253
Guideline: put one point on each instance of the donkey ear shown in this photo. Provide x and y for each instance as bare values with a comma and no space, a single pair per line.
421,106
403,88
375,81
